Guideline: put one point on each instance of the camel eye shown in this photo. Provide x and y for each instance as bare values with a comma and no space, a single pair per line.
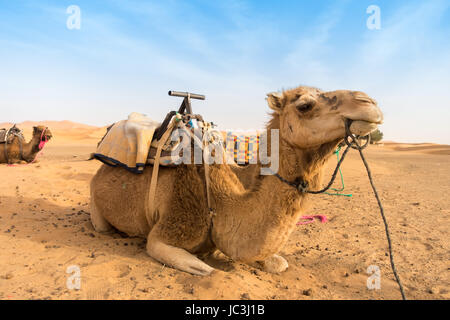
305,107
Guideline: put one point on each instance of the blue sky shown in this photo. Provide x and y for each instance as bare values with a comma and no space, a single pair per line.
128,54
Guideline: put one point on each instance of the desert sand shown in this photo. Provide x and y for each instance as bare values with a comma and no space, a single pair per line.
45,228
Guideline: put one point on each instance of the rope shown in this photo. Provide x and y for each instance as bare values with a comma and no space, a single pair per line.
150,206
42,141
386,227
207,176
310,219
302,186
40,154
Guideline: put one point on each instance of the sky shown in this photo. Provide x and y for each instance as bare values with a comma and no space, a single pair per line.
126,55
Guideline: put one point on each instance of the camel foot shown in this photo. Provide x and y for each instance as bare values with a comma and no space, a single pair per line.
275,264
177,258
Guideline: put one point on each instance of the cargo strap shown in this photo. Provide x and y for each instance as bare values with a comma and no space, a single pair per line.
150,200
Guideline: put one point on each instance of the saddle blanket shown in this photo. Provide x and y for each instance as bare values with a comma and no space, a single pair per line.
242,147
127,143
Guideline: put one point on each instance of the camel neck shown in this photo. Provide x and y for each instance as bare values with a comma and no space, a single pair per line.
304,165
255,223
31,149
297,164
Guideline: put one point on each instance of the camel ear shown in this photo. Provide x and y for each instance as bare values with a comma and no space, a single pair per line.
275,101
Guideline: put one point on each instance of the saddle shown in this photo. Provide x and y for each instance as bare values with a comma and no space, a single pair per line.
133,143
7,137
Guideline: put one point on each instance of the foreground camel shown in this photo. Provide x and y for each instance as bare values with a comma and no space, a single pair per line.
250,225
20,151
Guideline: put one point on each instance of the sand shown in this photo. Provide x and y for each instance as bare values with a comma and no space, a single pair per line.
45,228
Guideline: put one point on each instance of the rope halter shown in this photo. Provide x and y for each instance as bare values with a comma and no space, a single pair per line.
43,140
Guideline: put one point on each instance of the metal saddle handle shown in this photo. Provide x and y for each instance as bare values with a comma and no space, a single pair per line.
185,108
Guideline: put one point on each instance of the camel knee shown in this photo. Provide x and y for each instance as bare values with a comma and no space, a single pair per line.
275,264
98,221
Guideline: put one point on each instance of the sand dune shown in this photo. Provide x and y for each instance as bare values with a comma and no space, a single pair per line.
429,148
57,125
64,132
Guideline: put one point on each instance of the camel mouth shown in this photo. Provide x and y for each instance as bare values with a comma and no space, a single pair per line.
363,127
375,118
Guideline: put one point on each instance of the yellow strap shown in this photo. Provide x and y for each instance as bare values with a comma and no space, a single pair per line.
206,164
206,142
150,201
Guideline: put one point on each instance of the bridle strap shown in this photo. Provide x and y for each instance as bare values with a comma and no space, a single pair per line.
302,185
43,140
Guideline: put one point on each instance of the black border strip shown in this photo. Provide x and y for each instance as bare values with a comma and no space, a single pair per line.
107,160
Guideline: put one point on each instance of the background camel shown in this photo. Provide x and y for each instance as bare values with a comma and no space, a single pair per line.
250,225
20,151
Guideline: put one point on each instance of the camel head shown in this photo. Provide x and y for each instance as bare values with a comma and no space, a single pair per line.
37,132
309,117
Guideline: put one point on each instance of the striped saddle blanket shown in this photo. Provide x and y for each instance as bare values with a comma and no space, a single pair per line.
243,148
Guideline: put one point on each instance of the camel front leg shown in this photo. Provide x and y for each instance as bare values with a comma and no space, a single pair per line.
98,221
275,264
176,257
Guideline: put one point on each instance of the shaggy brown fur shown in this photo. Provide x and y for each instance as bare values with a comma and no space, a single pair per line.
250,224
29,150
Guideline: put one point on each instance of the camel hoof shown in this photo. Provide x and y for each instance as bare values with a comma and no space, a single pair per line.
275,264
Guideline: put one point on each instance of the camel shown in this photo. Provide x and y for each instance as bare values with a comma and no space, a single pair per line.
250,224
20,151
